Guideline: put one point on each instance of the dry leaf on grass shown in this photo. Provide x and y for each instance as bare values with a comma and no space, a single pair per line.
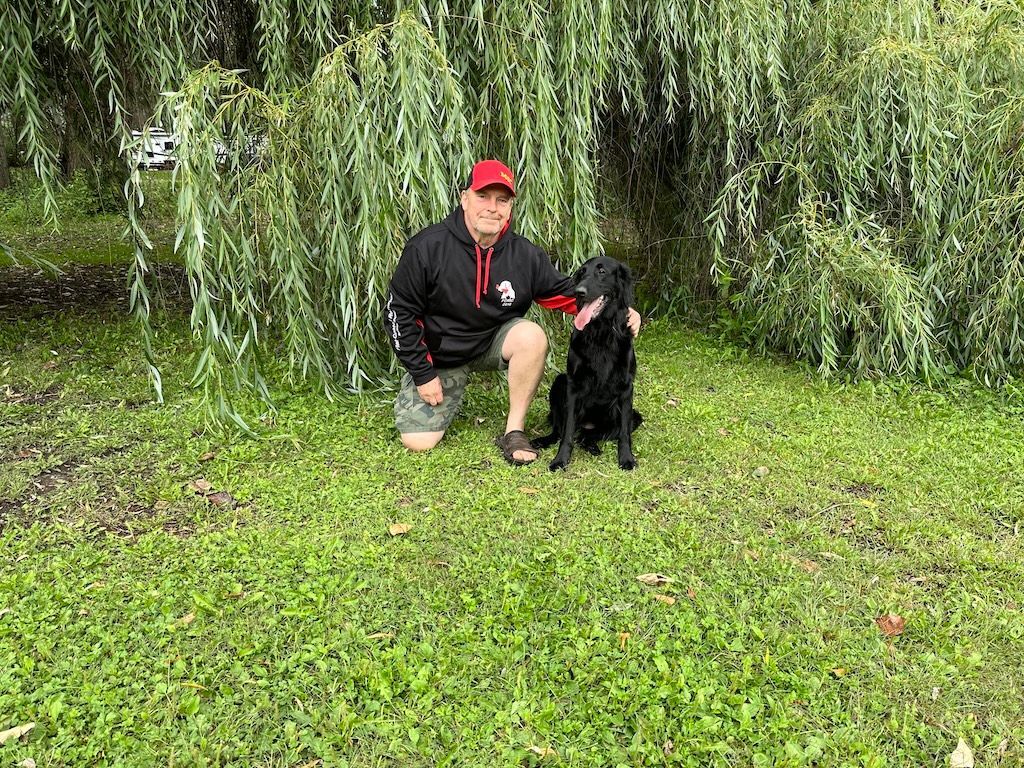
668,747
528,491
221,499
666,599
760,472
891,624
185,620
962,757
723,432
4,612
671,402
691,593
542,751
654,579
752,554
810,566
380,636
28,762
399,529
208,456
15,733
200,486
839,672
623,637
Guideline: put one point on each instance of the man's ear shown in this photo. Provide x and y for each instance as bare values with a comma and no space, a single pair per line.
462,198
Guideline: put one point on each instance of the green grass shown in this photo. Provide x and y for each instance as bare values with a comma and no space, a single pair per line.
142,625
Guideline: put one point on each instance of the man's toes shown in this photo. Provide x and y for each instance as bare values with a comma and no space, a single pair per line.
524,455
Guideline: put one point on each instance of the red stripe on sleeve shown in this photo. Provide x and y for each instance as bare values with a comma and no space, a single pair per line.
565,303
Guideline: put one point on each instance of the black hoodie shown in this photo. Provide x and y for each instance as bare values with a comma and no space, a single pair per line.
449,296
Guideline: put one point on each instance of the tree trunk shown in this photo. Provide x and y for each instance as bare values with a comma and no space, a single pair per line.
5,173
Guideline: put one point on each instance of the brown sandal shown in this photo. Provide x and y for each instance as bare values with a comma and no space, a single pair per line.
516,440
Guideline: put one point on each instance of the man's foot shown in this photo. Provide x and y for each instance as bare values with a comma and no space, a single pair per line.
515,447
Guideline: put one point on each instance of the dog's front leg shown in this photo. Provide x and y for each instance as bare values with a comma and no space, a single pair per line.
626,458
561,460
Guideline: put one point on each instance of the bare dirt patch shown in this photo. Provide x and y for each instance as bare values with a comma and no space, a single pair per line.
85,289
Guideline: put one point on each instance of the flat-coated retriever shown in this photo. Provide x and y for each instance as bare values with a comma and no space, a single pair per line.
594,398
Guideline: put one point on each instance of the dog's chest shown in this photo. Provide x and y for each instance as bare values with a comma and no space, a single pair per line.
600,364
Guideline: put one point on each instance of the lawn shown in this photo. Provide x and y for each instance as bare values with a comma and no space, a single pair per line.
169,596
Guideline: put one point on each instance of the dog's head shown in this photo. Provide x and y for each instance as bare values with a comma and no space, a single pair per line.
604,288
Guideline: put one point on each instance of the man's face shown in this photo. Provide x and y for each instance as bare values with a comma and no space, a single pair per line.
486,211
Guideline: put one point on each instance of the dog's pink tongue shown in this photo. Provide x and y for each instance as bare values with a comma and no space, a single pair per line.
586,314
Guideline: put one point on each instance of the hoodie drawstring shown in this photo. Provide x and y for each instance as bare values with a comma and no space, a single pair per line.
486,272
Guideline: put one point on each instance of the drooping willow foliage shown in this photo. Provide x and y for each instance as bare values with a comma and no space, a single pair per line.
842,175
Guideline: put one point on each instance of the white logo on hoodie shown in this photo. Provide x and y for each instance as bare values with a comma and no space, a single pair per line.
508,294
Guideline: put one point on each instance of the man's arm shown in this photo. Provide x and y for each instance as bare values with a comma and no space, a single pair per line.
402,312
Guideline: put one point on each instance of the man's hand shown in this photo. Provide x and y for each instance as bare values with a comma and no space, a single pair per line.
633,321
431,393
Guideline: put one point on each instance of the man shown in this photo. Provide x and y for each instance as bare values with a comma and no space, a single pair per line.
456,304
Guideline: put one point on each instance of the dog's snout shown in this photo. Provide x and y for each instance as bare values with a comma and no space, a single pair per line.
581,291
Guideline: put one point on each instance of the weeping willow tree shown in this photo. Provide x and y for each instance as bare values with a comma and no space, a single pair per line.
843,177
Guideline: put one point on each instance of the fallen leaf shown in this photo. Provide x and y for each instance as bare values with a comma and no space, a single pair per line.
1001,749
96,585
221,499
810,566
4,612
185,620
480,420
962,756
28,762
380,636
196,686
208,456
398,529
668,747
161,505
723,432
839,672
671,402
439,563
542,751
760,472
691,593
654,579
891,624
200,486
623,637
753,554
666,599
528,491
935,693
15,733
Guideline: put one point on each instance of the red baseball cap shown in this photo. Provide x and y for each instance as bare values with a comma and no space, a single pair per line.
488,172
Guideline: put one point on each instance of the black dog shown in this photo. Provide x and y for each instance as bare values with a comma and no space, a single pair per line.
594,398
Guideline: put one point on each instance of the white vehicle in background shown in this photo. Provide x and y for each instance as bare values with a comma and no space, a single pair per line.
158,151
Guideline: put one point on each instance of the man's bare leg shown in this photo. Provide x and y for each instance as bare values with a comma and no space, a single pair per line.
421,441
525,348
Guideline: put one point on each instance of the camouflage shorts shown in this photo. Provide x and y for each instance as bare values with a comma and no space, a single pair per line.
414,415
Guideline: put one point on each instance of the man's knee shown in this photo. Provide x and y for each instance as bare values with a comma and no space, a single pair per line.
525,337
421,441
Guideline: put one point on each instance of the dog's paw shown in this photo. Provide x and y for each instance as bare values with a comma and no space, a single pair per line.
627,463
558,464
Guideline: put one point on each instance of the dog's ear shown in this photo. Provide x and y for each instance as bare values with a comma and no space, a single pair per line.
626,280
